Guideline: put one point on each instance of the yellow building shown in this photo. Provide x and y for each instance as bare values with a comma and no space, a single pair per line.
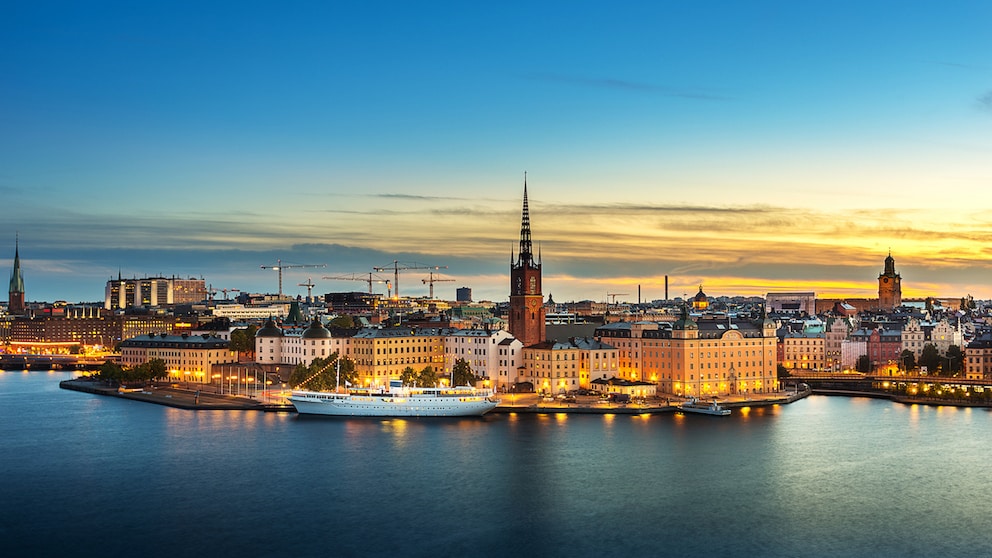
561,366
188,358
714,356
804,351
382,354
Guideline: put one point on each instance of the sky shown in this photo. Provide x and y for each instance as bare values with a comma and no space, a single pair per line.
745,147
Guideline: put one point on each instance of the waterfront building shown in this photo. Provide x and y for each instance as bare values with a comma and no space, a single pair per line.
714,356
15,304
805,350
153,291
555,367
792,303
484,351
850,351
526,312
889,286
381,354
188,358
882,345
978,357
82,326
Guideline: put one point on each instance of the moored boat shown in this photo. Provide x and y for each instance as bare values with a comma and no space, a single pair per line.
397,401
693,405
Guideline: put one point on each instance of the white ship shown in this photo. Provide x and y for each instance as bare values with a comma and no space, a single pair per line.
397,401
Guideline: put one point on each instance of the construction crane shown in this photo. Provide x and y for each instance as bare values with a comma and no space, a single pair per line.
280,266
369,280
431,280
396,272
309,285
615,295
211,291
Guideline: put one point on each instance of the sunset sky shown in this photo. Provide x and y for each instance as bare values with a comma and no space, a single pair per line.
745,146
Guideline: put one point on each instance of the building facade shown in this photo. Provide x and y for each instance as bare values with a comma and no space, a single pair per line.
188,358
152,291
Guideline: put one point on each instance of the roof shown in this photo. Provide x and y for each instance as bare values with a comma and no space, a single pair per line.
177,341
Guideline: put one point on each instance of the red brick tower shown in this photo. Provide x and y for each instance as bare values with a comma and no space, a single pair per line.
526,300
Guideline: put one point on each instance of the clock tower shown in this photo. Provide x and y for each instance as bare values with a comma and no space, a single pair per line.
889,286
526,300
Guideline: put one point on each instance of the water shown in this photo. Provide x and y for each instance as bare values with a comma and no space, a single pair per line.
86,475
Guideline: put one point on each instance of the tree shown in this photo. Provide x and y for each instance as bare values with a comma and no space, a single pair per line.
408,376
343,321
930,358
243,340
427,377
111,372
461,374
955,358
908,359
864,364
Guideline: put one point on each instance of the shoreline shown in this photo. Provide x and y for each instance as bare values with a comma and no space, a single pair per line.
521,403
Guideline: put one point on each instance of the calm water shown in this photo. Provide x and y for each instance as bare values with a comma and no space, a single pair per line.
85,475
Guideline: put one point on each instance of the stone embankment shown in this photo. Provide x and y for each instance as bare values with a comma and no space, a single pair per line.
179,398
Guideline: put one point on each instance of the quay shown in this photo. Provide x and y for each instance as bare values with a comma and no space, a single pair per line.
171,395
180,398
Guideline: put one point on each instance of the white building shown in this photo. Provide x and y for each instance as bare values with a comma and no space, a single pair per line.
485,352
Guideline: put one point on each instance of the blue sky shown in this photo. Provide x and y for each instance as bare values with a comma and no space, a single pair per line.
745,146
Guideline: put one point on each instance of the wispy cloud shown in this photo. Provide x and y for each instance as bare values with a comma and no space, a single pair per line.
625,85
985,101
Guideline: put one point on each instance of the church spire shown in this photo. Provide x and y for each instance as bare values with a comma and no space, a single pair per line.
526,256
15,304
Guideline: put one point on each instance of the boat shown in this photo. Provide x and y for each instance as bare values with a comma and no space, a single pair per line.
693,405
397,401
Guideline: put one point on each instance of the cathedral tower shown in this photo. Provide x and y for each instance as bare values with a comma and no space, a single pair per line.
526,300
16,292
889,286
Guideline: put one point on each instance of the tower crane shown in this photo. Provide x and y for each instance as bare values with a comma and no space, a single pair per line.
369,280
211,291
309,285
280,266
431,280
396,271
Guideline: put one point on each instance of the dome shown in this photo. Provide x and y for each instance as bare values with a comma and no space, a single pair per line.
270,329
316,331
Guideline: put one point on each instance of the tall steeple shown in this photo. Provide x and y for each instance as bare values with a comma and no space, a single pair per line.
16,301
526,256
526,317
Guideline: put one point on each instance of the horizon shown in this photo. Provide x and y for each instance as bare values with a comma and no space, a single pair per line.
745,148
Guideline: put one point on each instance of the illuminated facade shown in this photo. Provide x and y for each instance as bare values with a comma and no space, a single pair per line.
804,351
714,356
526,315
561,366
188,358
382,354
152,291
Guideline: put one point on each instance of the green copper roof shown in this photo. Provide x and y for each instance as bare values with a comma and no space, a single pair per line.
16,278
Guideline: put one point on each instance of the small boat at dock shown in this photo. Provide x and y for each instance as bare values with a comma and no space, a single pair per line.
693,405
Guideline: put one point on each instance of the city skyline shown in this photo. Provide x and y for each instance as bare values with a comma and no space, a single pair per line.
746,148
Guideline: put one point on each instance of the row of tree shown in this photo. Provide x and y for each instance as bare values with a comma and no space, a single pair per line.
950,364
152,370
322,374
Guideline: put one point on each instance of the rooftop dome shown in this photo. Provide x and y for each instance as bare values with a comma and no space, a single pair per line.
316,331
270,329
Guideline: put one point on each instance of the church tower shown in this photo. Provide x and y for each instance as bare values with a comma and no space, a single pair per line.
889,286
526,300
16,292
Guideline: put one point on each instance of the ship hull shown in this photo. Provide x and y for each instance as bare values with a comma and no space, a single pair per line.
388,406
